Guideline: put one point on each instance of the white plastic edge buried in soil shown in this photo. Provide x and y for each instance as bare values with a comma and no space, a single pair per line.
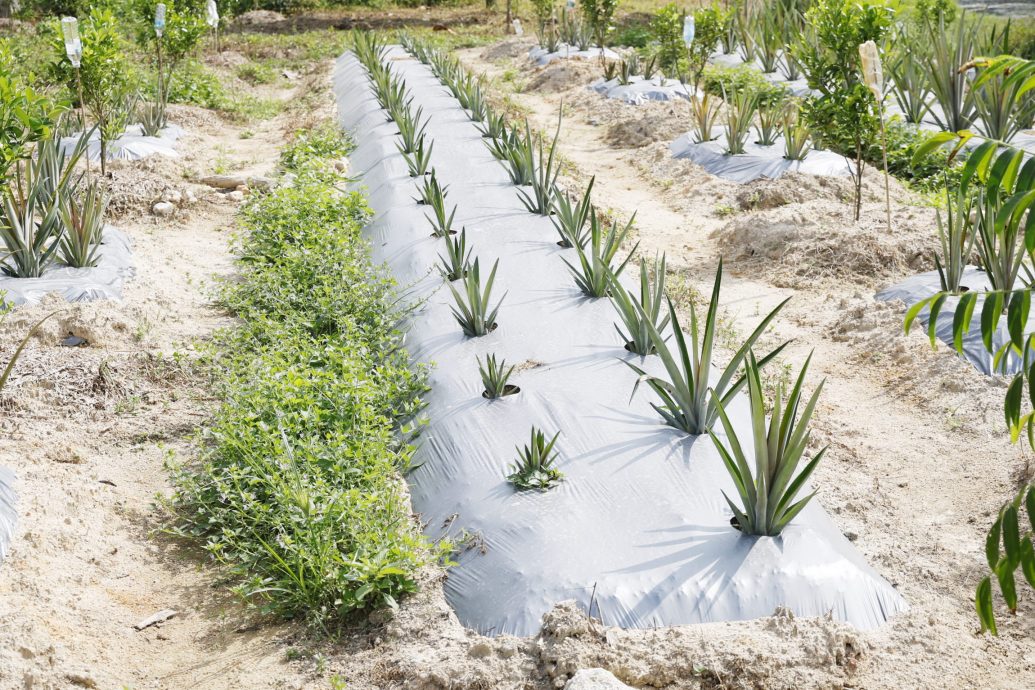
8,515
638,529
104,281
920,287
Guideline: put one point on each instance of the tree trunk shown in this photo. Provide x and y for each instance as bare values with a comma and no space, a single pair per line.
6,8
858,179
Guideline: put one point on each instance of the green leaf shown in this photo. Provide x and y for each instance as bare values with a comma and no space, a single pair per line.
983,603
992,545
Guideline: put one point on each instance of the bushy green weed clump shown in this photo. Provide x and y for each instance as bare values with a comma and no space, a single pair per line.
298,490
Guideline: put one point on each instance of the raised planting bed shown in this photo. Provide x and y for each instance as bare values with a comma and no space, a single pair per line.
920,287
8,516
132,145
103,281
640,90
757,162
638,532
542,57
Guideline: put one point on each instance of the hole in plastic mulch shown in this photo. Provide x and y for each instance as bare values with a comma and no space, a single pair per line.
509,389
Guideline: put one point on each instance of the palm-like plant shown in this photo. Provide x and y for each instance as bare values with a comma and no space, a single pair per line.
457,260
1003,108
411,130
957,241
949,85
795,135
544,179
29,228
472,310
83,223
740,112
768,492
495,375
704,113
909,85
418,161
768,127
637,314
441,222
431,191
591,275
685,400
535,466
492,126
570,219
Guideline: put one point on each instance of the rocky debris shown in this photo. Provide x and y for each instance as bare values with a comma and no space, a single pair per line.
260,184
594,679
172,196
236,196
155,619
224,181
82,679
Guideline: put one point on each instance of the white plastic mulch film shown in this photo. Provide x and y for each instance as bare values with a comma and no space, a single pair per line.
104,281
640,90
638,530
920,287
131,146
757,162
8,516
542,56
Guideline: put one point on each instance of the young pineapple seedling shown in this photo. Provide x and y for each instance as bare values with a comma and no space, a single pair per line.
534,468
495,375
767,495
472,310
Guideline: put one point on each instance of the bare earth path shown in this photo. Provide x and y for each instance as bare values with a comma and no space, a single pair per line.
88,430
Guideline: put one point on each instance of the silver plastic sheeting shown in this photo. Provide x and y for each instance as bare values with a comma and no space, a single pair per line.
757,162
132,145
640,90
797,87
104,281
8,515
543,57
920,287
639,529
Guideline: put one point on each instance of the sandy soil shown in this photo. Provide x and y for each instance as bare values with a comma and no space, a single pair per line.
87,430
918,459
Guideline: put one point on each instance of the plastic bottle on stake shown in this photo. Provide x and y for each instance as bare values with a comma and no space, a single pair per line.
73,44
689,29
212,14
518,31
159,19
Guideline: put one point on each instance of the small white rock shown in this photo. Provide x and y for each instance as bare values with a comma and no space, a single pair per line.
236,196
173,196
163,209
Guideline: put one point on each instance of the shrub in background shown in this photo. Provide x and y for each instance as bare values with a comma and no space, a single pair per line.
599,15
843,116
105,71
26,116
